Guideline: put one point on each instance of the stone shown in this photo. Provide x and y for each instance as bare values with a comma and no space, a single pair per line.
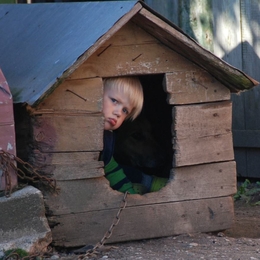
23,223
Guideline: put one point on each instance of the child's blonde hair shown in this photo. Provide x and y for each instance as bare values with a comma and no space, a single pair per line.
131,87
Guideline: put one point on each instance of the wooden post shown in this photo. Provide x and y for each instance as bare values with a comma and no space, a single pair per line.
7,130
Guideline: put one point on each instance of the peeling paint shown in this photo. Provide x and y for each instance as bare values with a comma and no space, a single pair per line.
146,65
9,147
157,60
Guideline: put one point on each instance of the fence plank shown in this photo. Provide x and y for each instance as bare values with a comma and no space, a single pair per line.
167,8
250,50
227,31
250,37
196,20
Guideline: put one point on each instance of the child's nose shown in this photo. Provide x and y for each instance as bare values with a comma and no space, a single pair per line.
117,112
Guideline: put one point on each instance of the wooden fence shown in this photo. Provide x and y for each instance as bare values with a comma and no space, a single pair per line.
231,30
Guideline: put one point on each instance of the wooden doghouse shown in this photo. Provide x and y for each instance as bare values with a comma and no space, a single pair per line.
67,126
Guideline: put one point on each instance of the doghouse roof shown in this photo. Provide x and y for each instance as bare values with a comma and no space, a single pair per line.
43,43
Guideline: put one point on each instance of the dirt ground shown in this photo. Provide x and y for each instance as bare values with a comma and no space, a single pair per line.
241,242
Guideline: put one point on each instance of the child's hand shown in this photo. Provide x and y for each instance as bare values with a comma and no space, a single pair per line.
158,183
140,188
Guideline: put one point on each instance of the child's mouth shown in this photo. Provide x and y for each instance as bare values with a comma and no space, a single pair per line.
112,121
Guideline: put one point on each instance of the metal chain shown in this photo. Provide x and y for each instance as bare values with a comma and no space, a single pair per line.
8,182
4,166
108,234
7,162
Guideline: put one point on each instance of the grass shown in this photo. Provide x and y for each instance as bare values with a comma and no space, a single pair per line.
248,192
14,254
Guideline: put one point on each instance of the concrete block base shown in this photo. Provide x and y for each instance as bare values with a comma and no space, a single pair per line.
23,223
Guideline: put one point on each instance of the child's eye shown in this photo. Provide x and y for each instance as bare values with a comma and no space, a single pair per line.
113,100
125,111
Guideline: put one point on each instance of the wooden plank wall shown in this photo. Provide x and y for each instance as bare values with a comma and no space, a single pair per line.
67,131
230,29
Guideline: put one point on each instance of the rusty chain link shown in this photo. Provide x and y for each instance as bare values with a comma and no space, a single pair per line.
7,162
8,182
108,234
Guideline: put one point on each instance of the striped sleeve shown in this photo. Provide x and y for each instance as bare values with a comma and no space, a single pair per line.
117,178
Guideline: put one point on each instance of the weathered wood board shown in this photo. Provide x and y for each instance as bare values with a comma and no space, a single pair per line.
75,95
139,54
149,221
202,133
68,166
69,122
63,133
197,86
186,183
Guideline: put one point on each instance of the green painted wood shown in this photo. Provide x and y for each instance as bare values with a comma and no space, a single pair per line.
250,33
196,19
250,23
7,1
167,8
247,138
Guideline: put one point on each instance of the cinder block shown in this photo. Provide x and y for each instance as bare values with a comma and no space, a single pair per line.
22,221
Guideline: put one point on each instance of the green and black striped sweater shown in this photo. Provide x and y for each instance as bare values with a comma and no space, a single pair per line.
121,178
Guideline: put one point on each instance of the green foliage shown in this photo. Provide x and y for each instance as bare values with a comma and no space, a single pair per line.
14,252
249,192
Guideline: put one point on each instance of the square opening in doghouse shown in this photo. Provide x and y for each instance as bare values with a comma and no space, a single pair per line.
143,147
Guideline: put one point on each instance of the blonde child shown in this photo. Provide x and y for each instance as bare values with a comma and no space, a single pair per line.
123,100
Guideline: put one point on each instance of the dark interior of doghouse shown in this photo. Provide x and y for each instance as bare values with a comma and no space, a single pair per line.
146,143
22,130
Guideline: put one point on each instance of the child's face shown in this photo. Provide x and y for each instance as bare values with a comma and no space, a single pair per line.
116,107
